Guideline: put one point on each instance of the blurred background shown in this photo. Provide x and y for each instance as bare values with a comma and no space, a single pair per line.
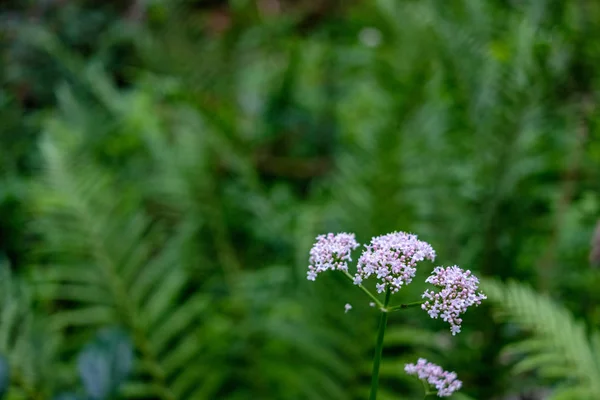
165,167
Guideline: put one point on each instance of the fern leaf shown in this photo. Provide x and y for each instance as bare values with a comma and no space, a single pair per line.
26,343
573,393
559,346
107,264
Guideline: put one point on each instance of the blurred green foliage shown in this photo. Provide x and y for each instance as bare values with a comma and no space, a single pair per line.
558,347
165,167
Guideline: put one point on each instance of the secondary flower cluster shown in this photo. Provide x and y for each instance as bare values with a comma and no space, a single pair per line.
459,291
444,382
331,252
393,259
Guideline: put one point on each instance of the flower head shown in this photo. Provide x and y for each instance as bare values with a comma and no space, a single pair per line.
444,382
459,291
392,258
331,251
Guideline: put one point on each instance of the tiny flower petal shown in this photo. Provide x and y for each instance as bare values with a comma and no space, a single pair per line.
347,308
444,382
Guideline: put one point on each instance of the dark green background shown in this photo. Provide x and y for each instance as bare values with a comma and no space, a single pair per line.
165,167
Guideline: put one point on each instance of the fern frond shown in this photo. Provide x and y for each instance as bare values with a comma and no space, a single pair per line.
24,341
559,347
111,262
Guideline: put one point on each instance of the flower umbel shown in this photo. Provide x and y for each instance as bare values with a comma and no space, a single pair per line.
331,251
393,259
444,382
459,291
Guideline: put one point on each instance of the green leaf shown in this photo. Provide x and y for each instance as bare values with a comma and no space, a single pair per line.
572,393
558,348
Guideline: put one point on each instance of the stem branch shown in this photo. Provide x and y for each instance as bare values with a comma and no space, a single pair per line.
364,289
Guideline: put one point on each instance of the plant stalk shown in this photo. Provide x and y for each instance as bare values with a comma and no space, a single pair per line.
379,348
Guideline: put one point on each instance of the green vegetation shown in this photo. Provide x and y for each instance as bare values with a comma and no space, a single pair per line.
165,167
559,347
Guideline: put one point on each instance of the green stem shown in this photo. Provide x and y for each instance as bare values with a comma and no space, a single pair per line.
364,289
379,348
407,305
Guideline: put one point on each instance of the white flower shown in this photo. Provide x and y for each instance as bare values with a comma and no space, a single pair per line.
392,258
331,251
458,292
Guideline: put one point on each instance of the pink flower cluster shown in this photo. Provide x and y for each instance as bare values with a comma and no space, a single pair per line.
445,382
331,251
393,259
459,291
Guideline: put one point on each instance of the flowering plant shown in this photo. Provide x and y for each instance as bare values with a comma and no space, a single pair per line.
392,260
